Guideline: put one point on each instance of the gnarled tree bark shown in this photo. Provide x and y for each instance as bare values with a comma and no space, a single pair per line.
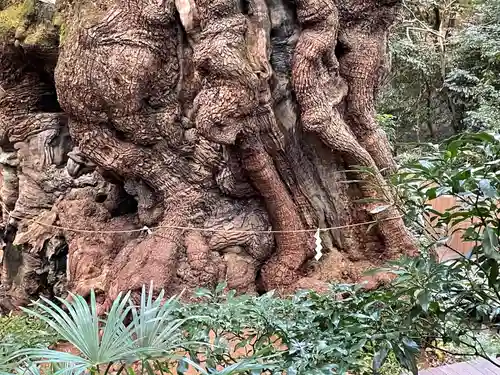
213,121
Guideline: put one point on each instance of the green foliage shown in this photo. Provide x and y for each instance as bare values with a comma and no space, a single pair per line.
309,333
466,167
27,21
152,333
59,23
148,343
474,78
19,332
7,357
445,69
388,124
461,297
25,331
80,326
414,93
433,305
306,334
13,16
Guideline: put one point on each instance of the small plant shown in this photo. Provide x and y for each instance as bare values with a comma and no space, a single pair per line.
152,333
25,331
147,337
309,333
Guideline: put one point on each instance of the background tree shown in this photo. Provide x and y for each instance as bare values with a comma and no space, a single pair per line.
444,68
473,82
415,95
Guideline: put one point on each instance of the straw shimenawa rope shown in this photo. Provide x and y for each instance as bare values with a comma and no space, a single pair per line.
78,230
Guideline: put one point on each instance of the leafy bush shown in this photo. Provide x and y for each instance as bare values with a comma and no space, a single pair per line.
309,333
428,305
152,340
7,357
445,69
475,60
25,331
442,306
461,297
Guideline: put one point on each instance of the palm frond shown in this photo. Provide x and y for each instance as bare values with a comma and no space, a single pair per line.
154,332
117,342
48,356
28,369
80,326
67,368
244,366
8,358
155,328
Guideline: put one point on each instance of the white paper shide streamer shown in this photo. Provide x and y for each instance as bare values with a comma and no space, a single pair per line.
319,247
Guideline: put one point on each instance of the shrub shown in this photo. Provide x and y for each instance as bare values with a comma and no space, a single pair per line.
25,331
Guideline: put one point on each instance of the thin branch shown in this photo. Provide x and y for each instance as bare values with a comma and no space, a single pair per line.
451,352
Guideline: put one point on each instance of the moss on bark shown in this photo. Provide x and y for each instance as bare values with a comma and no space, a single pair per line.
29,21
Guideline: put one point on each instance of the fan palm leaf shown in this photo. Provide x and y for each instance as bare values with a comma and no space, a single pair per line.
244,366
157,332
81,326
154,332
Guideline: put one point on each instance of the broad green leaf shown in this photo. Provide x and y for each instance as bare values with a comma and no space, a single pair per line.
493,276
486,137
453,148
431,193
411,345
379,358
486,188
406,358
490,243
424,299
426,164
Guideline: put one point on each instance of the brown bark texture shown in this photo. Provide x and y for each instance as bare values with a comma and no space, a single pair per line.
212,122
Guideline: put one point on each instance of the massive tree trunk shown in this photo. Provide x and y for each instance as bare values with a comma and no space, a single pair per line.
232,129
